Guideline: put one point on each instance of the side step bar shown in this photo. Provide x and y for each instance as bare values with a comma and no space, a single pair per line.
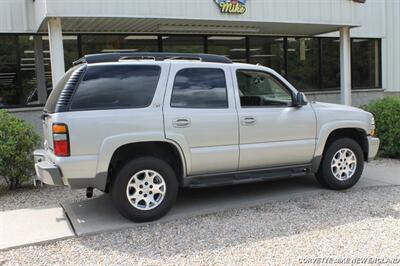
242,177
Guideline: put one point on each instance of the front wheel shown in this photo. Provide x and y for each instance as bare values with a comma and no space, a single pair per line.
144,189
342,164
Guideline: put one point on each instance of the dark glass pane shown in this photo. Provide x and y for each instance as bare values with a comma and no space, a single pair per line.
118,43
183,44
47,62
28,92
71,54
8,71
303,54
365,63
123,86
261,89
200,88
233,47
330,62
267,51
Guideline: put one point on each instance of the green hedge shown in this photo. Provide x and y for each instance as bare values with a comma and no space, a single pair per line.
387,120
17,142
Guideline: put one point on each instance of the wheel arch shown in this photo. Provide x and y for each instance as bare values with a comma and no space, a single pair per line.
163,149
358,134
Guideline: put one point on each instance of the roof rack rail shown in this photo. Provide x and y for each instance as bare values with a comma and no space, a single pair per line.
115,57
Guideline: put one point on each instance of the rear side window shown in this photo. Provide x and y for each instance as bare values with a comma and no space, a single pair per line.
116,86
55,93
200,88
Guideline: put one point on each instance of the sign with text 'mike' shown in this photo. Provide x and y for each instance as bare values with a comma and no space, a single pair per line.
232,6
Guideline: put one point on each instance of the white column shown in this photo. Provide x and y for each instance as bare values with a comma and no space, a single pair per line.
345,66
56,49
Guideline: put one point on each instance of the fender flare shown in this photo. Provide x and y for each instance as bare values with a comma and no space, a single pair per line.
111,144
326,130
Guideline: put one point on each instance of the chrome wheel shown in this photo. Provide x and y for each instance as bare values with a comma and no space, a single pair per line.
146,190
344,164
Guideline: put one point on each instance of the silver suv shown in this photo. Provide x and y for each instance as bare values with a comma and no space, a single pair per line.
141,125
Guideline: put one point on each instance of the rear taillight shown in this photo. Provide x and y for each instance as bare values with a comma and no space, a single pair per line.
61,140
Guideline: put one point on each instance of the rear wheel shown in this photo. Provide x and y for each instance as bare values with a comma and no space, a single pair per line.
144,189
342,164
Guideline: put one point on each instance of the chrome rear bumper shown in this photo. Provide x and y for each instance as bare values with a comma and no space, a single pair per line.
46,171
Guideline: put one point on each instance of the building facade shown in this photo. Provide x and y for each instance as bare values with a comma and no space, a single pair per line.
333,50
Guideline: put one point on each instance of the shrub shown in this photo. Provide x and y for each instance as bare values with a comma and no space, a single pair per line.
17,142
387,120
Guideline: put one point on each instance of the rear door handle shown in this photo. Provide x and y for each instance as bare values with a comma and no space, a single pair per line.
248,121
181,122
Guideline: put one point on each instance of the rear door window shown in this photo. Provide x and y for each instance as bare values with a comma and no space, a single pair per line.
200,88
116,86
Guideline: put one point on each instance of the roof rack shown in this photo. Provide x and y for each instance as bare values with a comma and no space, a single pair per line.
115,57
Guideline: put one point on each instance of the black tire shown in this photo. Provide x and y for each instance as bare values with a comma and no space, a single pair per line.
325,174
124,175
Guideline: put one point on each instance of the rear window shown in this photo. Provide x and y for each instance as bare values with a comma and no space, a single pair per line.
116,86
55,93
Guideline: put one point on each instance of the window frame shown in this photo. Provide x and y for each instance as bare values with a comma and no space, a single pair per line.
201,108
113,108
275,78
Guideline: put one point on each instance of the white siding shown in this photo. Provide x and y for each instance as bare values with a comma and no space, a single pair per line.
312,11
14,16
372,20
391,47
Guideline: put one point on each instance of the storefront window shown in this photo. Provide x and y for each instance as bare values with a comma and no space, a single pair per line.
119,43
27,69
71,53
8,71
183,44
330,63
233,47
365,63
267,51
313,64
302,60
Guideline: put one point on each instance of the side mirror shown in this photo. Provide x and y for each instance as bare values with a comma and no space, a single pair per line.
300,100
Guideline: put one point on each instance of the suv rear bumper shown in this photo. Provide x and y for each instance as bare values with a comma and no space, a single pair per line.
46,171
373,147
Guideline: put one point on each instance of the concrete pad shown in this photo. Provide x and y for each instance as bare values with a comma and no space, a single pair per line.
27,226
382,173
99,215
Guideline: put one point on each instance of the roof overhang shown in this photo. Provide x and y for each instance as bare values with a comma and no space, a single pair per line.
190,26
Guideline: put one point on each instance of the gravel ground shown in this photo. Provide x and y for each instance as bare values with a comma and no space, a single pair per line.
31,197
360,223
355,224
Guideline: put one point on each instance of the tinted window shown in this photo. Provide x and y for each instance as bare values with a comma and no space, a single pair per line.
261,89
123,86
55,93
200,88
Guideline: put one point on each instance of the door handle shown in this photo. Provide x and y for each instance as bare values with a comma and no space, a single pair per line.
248,121
181,122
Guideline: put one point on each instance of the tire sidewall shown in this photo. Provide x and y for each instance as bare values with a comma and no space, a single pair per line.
325,173
118,191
